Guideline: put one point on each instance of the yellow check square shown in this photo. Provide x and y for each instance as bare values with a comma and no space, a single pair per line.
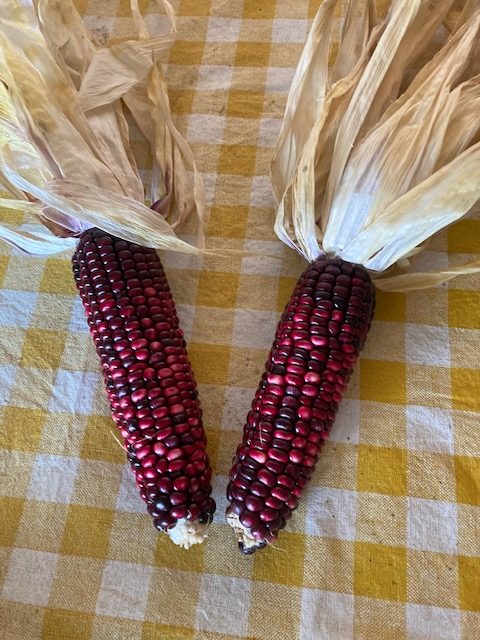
43,348
464,309
22,428
252,54
157,631
181,100
210,362
4,260
463,237
194,8
102,440
383,381
466,389
264,10
228,221
282,565
57,277
237,160
286,285
389,307
244,104
187,52
10,513
87,531
165,556
73,625
467,473
217,289
382,470
469,576
380,571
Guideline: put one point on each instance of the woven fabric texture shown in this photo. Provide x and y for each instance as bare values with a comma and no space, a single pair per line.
385,544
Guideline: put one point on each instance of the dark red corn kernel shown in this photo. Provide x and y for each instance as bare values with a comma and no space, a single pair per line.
249,519
241,483
275,467
259,489
119,283
267,477
285,481
259,532
254,503
318,340
268,515
273,503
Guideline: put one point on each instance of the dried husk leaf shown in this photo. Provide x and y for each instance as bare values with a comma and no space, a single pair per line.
64,131
381,150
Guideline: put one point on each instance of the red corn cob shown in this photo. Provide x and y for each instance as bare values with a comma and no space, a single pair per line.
150,384
318,340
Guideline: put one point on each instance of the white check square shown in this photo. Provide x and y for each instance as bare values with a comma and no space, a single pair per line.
429,429
287,30
237,403
346,428
16,308
279,79
8,373
186,313
205,128
253,328
267,258
124,590
269,130
326,615
426,623
261,192
432,526
223,29
29,577
73,392
331,513
428,345
53,478
219,493
234,596
214,77
128,497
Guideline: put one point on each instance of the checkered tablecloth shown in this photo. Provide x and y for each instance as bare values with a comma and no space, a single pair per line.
386,543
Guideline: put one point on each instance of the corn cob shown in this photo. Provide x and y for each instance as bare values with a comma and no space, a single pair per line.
149,381
318,340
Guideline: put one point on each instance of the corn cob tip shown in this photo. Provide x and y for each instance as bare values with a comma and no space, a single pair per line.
246,542
186,533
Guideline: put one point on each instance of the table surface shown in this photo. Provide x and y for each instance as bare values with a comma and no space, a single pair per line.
385,543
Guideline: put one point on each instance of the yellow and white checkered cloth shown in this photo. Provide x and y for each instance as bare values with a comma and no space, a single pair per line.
386,542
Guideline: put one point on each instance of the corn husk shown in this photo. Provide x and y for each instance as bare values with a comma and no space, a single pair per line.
68,105
381,149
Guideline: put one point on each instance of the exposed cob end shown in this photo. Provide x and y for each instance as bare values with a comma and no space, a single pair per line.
187,533
246,542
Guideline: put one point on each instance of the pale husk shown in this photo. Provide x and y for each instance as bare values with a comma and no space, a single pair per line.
381,150
67,104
